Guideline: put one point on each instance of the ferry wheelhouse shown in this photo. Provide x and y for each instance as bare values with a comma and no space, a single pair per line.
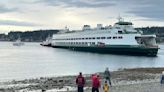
121,38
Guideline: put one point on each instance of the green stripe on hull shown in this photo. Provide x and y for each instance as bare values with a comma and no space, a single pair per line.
116,49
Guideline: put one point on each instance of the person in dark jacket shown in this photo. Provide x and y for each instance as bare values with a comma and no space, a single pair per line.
95,83
162,78
80,81
107,76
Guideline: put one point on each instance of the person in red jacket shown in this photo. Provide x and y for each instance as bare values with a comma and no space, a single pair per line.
80,81
95,83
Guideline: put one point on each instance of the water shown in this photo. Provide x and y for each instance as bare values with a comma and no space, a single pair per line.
33,60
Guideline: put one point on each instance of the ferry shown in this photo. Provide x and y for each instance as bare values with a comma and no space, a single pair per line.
121,38
47,42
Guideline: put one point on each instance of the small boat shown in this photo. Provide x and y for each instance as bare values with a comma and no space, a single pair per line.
47,42
18,42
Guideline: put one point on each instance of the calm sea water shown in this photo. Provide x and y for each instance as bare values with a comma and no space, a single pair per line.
33,60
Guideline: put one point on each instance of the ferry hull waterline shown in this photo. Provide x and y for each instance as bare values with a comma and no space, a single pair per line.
121,38
121,50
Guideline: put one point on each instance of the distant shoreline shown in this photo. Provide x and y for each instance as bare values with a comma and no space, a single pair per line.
41,35
120,78
160,43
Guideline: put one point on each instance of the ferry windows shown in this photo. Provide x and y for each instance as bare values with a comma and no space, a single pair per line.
114,37
120,32
102,37
98,37
120,37
93,43
108,37
93,38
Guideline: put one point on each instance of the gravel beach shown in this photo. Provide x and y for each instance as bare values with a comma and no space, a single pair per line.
123,80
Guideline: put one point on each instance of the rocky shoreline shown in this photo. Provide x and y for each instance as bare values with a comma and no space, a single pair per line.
123,80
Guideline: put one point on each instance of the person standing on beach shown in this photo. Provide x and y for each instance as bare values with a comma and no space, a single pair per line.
107,76
80,81
162,78
95,83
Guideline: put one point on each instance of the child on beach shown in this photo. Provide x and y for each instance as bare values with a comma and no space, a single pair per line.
105,87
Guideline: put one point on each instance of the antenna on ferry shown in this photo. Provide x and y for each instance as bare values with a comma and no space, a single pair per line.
120,19
66,28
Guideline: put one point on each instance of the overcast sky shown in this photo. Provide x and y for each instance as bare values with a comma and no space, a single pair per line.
56,14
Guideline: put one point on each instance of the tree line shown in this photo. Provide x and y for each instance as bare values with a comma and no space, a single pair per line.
28,36
41,35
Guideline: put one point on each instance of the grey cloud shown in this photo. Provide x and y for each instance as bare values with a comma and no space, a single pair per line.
78,3
152,9
17,23
4,9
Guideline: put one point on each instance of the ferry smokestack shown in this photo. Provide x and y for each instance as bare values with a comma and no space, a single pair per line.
99,26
